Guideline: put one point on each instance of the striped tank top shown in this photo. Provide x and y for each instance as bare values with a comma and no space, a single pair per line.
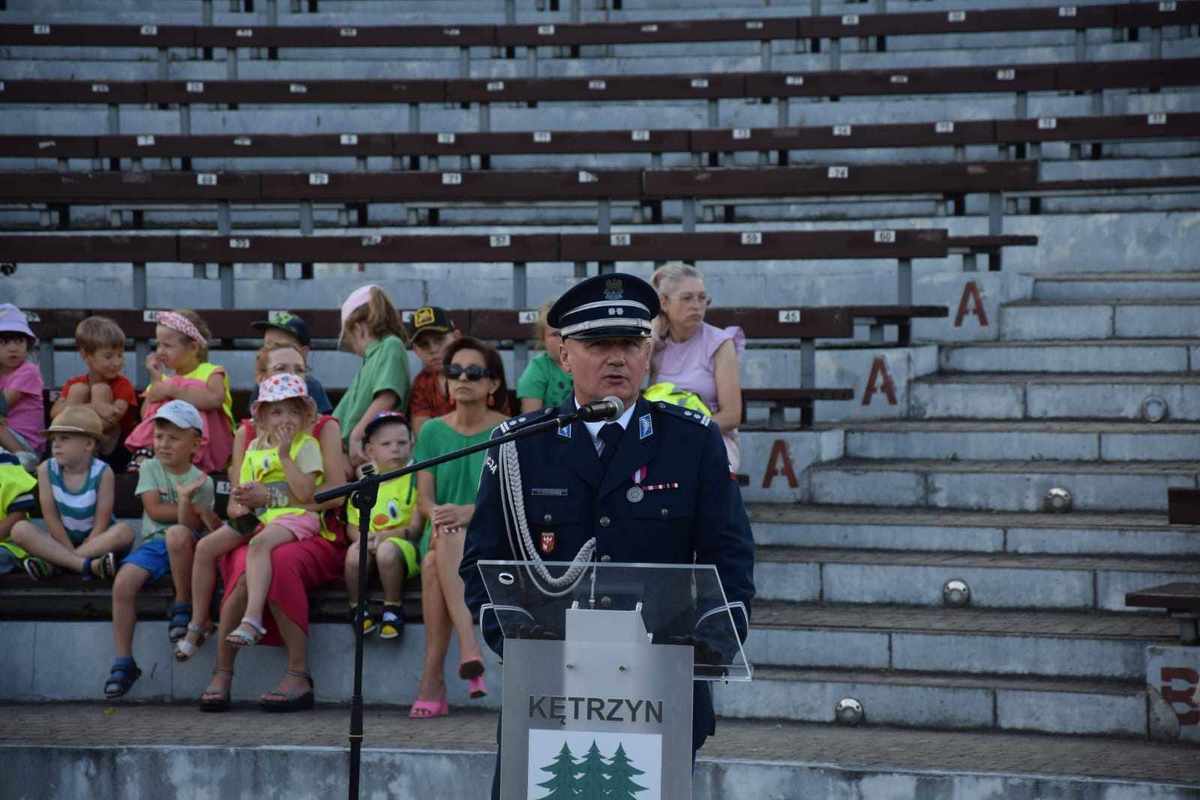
77,509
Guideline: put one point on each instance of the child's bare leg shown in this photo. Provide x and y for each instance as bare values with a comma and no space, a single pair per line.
391,572
258,568
129,581
116,539
8,441
181,550
80,394
204,570
351,573
101,393
41,544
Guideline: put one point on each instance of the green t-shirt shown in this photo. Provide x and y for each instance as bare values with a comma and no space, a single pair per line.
152,475
454,481
545,381
384,367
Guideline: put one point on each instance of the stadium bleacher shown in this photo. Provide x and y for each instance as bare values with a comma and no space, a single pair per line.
839,171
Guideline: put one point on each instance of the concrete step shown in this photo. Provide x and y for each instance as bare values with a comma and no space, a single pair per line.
1091,319
1033,441
1032,395
937,700
959,640
1117,286
73,744
996,580
999,485
1131,355
916,530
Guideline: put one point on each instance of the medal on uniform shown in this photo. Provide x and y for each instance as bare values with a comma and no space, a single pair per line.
635,493
548,541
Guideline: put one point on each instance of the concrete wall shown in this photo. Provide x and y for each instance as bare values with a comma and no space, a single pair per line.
211,773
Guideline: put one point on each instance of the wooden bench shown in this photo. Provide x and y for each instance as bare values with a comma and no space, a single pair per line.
710,143
67,598
1183,506
1181,600
574,35
1148,74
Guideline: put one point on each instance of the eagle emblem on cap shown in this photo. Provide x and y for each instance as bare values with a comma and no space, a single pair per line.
614,289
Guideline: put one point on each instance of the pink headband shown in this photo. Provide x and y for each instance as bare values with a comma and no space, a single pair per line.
180,324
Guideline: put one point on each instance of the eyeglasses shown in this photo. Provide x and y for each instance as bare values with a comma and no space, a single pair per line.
689,298
471,373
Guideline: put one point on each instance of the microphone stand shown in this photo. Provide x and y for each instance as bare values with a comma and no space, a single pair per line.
365,491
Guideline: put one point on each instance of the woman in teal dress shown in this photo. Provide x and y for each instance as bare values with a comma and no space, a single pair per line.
475,381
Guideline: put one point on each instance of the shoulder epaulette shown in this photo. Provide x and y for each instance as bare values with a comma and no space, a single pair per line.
685,413
510,425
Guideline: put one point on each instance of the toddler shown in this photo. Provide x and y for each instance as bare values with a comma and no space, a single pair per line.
75,491
183,351
20,388
177,502
103,388
281,452
395,525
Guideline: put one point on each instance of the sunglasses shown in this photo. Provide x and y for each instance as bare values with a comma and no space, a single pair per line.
471,373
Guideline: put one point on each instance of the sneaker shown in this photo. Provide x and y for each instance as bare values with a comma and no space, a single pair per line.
392,624
369,625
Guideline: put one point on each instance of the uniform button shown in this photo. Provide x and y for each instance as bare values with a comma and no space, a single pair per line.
664,512
606,558
605,521
548,518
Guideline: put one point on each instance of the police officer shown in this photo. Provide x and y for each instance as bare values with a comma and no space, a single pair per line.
652,487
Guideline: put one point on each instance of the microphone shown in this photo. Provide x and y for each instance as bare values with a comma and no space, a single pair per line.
606,410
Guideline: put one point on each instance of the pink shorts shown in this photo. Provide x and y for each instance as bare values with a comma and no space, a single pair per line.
303,526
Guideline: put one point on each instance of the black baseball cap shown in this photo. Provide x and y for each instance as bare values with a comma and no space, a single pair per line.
429,319
381,419
285,321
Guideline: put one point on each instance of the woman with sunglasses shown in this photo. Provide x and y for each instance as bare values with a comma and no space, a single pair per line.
694,355
446,497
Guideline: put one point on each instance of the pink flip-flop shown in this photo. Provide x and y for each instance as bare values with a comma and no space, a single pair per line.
477,687
428,709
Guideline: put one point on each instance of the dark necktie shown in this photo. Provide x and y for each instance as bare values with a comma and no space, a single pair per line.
610,435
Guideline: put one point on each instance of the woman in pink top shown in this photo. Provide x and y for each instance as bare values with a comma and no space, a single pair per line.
694,355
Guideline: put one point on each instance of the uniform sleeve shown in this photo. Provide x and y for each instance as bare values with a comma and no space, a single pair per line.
723,537
532,382
485,540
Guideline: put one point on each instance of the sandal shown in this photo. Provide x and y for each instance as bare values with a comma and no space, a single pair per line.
290,702
217,700
180,615
121,677
428,709
103,567
39,569
247,634
391,626
188,646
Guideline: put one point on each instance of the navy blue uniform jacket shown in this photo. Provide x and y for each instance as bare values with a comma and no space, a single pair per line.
569,492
